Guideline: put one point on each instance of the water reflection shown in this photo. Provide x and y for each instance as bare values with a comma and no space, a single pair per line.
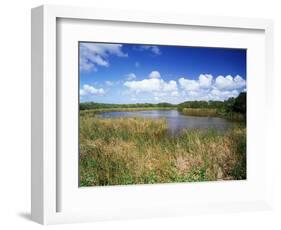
176,121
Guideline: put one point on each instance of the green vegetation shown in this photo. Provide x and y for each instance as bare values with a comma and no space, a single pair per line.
92,112
233,108
115,151
96,106
200,112
139,151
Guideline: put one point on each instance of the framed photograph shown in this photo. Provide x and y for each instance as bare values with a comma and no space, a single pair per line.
140,114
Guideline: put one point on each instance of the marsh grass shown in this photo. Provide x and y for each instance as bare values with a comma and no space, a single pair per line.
92,112
122,151
200,112
208,112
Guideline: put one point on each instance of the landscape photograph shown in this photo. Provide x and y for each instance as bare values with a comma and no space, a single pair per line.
151,114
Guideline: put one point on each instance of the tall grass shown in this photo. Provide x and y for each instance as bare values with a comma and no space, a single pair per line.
208,112
120,151
199,112
100,110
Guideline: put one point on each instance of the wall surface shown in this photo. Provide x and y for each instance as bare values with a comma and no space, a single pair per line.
15,113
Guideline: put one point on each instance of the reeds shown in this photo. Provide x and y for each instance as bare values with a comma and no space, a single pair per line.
120,151
206,112
100,110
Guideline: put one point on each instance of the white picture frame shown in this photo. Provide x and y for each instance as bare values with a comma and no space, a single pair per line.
47,175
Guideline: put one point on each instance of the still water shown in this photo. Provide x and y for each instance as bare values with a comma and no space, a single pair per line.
176,121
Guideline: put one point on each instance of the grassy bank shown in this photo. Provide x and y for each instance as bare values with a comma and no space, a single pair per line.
232,109
206,112
94,111
200,112
137,151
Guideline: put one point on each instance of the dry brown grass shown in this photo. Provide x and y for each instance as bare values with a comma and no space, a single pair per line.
137,150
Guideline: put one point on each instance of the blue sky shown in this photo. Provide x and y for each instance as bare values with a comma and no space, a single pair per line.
130,73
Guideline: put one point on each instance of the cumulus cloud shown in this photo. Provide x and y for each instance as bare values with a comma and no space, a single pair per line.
145,85
169,86
205,80
189,85
230,83
154,74
217,94
154,87
88,90
206,87
154,83
175,94
93,55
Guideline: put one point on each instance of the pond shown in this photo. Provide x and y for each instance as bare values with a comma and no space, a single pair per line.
176,121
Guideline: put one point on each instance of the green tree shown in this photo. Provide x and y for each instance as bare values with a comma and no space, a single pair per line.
240,103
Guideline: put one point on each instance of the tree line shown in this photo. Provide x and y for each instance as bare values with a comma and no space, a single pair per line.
227,107
237,104
94,105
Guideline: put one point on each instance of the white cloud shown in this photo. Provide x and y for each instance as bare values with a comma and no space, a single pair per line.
154,88
154,74
175,94
93,55
88,90
194,93
205,80
169,86
154,49
146,85
131,76
223,95
189,85
230,83
154,83
208,88
205,87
